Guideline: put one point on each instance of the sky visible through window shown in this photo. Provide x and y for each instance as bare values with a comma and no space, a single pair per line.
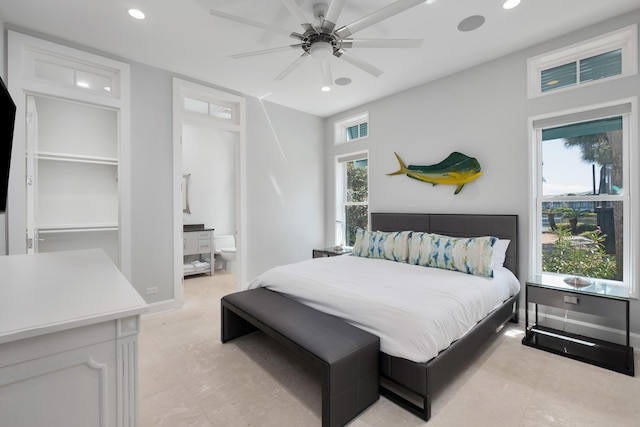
564,172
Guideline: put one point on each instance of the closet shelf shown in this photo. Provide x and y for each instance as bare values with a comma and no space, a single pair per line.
76,228
65,157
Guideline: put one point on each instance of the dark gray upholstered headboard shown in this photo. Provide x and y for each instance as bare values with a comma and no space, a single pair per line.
456,225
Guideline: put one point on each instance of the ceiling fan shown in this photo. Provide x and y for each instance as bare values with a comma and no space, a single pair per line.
323,40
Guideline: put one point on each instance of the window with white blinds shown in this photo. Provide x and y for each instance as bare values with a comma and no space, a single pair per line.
602,58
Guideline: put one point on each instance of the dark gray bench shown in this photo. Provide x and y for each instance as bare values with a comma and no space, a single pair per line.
348,356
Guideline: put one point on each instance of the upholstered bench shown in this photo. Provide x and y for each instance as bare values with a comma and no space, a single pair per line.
348,356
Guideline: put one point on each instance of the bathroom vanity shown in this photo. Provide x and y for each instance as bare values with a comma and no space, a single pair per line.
197,249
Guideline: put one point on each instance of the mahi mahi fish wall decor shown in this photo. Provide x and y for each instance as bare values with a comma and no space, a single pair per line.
457,169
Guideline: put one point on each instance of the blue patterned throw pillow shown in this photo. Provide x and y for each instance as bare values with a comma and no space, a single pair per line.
393,246
420,248
472,255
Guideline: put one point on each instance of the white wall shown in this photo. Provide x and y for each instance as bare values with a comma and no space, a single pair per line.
209,156
151,181
285,176
482,112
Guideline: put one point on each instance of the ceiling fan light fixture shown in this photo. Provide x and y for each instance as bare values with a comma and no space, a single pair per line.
321,50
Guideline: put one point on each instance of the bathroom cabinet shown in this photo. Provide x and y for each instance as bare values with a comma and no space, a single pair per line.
199,245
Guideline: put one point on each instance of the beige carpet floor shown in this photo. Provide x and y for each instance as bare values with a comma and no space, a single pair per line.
189,378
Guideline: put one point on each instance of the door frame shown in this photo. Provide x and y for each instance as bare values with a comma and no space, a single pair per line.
182,88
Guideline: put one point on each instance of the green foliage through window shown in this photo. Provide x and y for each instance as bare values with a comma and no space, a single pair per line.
357,198
583,256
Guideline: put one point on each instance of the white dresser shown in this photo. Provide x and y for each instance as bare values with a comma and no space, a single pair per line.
69,324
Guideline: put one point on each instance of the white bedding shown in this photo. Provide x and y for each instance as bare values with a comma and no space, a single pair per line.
416,311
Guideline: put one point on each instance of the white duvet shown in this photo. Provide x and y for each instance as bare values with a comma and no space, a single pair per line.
416,311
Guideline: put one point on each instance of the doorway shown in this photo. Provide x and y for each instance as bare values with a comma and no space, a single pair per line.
208,146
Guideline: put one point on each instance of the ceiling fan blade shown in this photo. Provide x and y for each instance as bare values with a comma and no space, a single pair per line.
335,8
360,63
255,23
326,72
377,16
265,51
298,14
382,43
292,67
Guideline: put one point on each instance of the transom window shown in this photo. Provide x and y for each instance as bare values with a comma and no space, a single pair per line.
218,110
612,55
582,196
352,128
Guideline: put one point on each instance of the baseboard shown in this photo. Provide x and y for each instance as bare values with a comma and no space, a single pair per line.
161,307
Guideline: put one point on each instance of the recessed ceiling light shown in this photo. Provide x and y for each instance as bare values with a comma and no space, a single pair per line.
135,13
471,23
510,4
325,88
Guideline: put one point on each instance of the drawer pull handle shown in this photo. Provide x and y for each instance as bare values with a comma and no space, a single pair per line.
571,300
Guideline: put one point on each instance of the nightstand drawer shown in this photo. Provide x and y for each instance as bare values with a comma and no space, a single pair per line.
573,301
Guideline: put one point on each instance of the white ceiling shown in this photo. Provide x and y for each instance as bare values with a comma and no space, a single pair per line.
182,37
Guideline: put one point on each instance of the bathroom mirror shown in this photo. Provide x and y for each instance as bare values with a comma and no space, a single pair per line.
185,193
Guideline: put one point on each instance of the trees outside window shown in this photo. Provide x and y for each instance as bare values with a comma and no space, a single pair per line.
356,206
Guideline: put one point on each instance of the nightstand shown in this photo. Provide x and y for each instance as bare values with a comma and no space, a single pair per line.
327,252
598,299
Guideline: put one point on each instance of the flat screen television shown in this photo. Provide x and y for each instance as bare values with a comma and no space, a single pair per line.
7,122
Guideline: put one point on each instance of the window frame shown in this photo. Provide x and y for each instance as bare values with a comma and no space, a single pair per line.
625,39
341,126
341,193
631,184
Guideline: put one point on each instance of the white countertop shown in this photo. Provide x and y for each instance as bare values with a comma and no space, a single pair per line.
50,292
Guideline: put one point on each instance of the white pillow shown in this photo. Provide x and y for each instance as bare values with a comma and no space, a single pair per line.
499,252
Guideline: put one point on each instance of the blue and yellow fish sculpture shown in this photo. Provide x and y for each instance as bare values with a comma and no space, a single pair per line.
457,169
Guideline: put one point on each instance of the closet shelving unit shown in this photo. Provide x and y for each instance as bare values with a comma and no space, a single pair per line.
74,175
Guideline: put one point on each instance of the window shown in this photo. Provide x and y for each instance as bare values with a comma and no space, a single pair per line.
352,128
581,188
213,109
612,55
353,196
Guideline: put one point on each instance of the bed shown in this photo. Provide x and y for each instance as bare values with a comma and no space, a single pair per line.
414,362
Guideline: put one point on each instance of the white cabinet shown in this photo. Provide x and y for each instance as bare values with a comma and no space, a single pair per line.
198,252
69,324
